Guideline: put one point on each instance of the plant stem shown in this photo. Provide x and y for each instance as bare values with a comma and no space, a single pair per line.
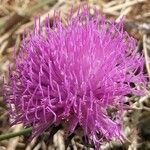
11,135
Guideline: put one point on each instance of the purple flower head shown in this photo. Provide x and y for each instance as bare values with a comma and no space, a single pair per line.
74,74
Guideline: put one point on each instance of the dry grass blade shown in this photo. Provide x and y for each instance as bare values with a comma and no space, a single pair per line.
120,6
146,53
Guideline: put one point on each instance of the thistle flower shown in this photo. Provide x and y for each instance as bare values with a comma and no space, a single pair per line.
73,74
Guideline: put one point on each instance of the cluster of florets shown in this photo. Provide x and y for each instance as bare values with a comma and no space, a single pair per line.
74,74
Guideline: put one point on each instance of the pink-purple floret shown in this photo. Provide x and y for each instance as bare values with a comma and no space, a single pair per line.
72,74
